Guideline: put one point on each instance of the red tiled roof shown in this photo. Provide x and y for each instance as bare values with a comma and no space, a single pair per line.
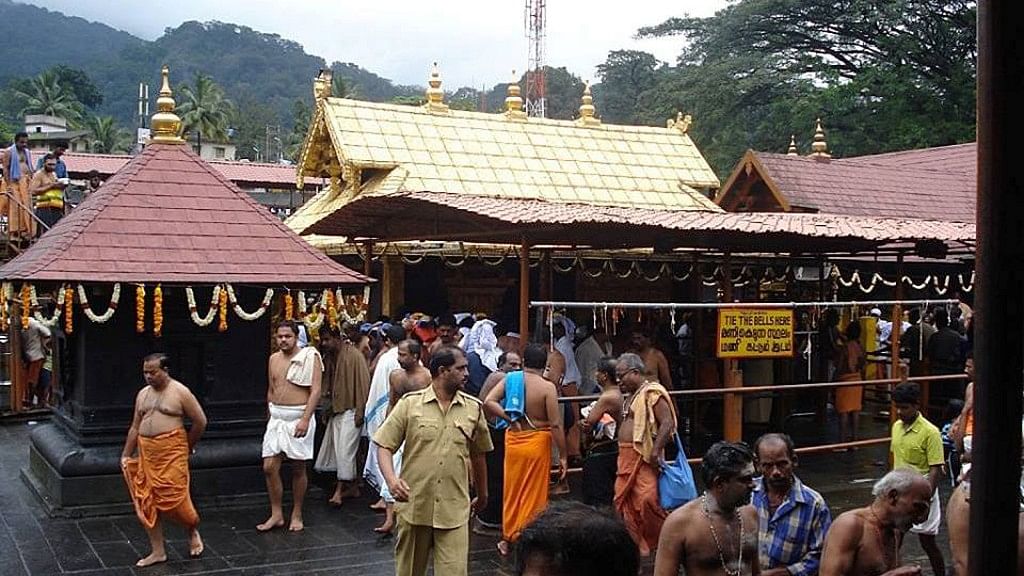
857,187
247,174
170,217
962,158
400,216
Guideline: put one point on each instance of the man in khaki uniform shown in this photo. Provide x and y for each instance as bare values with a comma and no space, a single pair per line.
443,429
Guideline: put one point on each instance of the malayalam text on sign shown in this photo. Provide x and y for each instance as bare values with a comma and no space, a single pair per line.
755,333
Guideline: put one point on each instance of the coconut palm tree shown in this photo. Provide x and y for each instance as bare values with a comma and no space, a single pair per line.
203,109
105,136
45,95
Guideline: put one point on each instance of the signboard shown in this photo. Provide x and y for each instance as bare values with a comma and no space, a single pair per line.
755,333
142,136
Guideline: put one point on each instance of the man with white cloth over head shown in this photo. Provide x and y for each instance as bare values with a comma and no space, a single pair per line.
294,376
377,406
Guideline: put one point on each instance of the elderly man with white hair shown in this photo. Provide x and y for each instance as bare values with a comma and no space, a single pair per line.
866,541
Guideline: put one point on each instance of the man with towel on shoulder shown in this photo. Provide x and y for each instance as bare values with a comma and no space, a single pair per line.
295,375
527,405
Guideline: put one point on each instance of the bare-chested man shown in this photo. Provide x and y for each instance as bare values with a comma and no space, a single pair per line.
716,534
866,541
158,480
488,521
600,426
655,363
527,404
295,376
410,377
447,335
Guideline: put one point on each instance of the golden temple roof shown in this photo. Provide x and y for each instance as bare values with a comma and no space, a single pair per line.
369,148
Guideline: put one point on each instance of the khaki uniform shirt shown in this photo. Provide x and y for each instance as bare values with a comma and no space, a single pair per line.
435,462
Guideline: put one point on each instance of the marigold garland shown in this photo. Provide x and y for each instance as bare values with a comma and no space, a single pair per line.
4,290
289,306
140,308
26,304
332,309
158,311
222,304
69,308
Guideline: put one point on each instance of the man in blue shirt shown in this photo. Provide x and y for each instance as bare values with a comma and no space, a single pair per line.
61,171
792,518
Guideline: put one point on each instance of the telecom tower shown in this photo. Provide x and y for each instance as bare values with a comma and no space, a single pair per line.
536,92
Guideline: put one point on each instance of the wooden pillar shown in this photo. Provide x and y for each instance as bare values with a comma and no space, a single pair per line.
999,304
732,418
524,293
368,254
392,284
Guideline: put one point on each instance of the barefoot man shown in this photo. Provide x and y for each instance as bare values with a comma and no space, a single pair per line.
716,534
295,375
527,405
866,541
655,363
158,479
410,377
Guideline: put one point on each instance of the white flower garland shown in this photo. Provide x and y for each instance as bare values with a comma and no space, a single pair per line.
52,321
267,299
315,319
343,308
210,314
111,308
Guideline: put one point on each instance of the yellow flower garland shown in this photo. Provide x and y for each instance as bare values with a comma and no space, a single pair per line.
222,325
69,308
158,311
4,319
332,310
289,306
26,305
140,308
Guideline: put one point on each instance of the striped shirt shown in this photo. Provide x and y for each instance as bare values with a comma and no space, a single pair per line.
793,536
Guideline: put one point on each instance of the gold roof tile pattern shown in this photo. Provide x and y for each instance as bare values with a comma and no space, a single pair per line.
411,149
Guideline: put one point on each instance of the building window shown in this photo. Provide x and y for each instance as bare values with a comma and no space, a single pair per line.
218,152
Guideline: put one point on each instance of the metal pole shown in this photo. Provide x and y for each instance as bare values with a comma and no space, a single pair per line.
524,293
698,306
732,404
999,304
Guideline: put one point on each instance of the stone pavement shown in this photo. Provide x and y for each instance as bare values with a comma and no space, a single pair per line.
334,542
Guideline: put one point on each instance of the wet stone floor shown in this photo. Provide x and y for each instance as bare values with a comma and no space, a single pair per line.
336,541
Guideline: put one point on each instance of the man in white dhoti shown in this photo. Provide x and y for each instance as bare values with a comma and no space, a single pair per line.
346,385
294,391
377,405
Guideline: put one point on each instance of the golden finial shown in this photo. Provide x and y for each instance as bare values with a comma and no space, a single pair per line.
792,146
435,96
322,86
165,126
681,123
587,109
514,101
819,148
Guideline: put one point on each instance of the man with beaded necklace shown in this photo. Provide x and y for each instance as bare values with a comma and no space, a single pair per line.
716,534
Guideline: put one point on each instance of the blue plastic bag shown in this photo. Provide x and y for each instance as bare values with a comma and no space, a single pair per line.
675,484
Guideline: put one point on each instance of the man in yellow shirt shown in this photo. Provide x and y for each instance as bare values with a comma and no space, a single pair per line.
917,444
444,431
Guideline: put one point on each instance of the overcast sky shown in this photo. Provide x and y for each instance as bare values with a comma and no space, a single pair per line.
476,43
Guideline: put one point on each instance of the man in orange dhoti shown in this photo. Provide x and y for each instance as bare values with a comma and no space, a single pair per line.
18,169
158,479
647,426
527,405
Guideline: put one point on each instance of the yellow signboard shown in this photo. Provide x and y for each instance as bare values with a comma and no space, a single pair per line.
755,333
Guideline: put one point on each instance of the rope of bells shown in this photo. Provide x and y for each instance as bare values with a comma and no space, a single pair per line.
332,307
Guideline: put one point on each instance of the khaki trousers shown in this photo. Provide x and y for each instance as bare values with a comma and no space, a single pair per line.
414,544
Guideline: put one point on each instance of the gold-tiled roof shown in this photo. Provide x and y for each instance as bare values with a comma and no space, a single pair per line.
413,149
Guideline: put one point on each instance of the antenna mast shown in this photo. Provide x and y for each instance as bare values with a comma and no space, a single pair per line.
535,23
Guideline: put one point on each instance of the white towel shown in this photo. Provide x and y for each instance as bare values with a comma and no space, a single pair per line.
280,435
301,366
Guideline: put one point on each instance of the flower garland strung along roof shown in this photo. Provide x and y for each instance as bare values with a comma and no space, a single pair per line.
370,148
170,217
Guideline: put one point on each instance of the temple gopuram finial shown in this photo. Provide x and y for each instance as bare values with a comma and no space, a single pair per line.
792,146
681,123
819,148
322,85
435,96
514,100
587,109
165,126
